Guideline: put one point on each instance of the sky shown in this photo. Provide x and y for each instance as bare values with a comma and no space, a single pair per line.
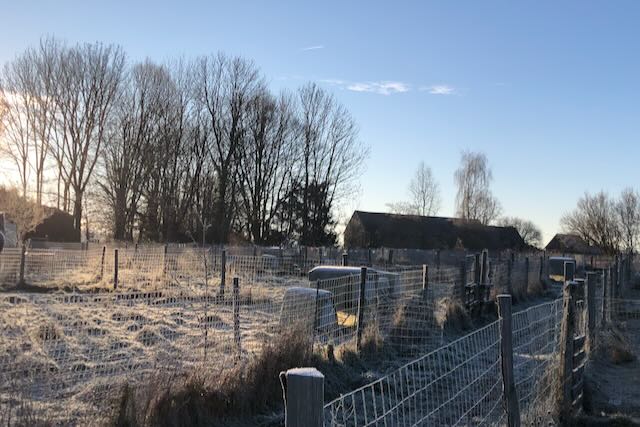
548,90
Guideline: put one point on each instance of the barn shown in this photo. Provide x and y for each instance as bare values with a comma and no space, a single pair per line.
377,230
571,244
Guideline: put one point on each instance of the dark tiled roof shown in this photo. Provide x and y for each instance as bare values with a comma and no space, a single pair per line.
371,229
570,243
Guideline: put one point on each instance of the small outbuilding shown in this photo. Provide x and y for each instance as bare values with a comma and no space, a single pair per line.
571,244
376,230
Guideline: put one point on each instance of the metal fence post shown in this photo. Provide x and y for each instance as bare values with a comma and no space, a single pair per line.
23,261
303,392
569,271
361,307
236,314
566,352
506,352
345,259
223,271
425,280
591,309
115,269
510,276
526,272
104,249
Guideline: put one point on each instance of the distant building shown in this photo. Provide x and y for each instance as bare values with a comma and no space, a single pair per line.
571,244
375,230
9,230
56,227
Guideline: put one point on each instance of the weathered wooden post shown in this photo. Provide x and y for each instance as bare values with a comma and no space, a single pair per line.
223,271
23,261
303,391
605,296
484,275
477,279
345,259
361,307
463,279
104,249
115,269
591,308
510,276
569,271
509,394
236,314
541,276
566,352
425,280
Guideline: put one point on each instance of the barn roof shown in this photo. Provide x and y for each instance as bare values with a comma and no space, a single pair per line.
427,232
570,243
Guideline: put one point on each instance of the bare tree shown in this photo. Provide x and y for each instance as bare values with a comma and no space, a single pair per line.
628,212
474,199
224,86
26,214
128,154
527,229
267,161
87,83
595,220
19,117
424,194
332,158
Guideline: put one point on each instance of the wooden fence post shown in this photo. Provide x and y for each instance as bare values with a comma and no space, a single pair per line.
303,391
569,271
425,280
526,272
591,309
115,269
104,249
510,276
506,352
390,256
484,275
223,271
236,314
23,261
477,280
345,259
541,276
361,307
463,279
605,295
566,352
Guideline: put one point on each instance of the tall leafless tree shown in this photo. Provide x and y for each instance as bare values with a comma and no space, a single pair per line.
224,86
527,229
474,199
594,219
332,158
628,212
268,157
87,84
424,193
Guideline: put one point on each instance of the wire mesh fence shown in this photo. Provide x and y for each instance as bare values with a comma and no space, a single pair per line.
461,382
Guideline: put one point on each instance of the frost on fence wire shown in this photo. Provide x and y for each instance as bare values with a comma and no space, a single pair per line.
9,266
536,338
458,384
73,351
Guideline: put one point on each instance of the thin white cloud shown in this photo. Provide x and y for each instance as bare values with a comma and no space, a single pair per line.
315,47
381,88
439,89
384,87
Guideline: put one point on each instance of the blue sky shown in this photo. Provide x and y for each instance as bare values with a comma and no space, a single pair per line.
548,90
